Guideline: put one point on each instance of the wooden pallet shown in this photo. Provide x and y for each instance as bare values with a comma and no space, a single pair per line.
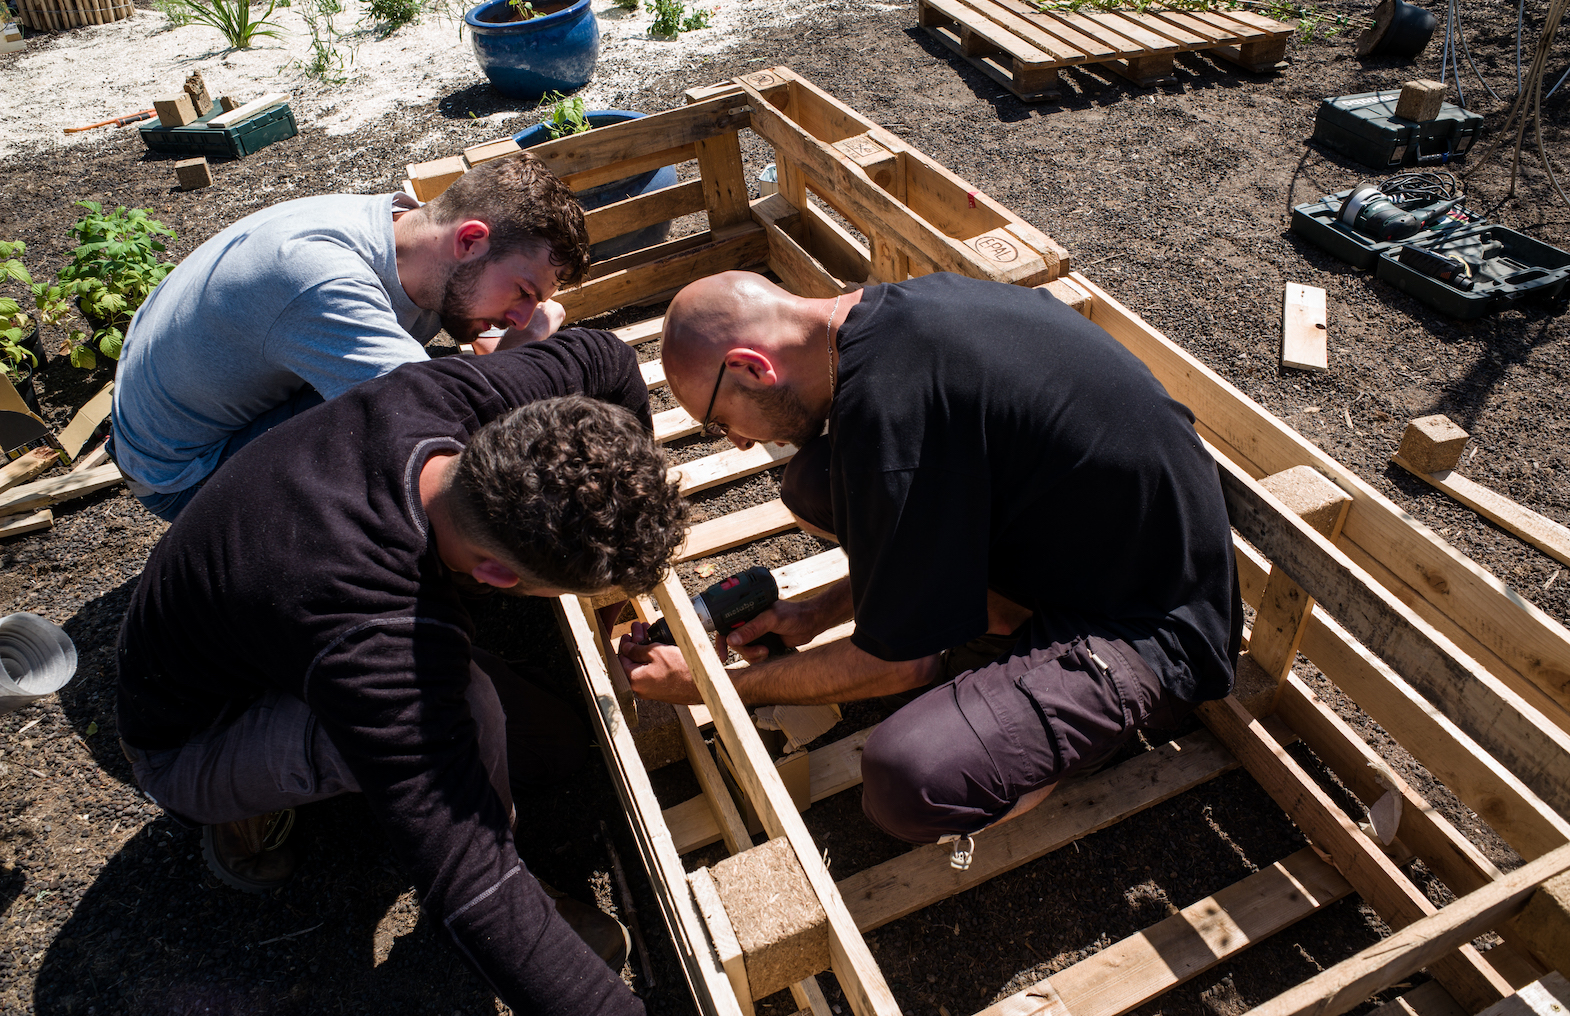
1018,45
1471,680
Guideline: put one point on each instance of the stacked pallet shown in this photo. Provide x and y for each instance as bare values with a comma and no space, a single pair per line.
58,15
1022,46
1469,678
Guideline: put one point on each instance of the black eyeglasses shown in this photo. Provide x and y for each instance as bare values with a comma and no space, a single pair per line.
710,428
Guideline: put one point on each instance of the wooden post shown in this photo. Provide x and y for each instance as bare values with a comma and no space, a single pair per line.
1284,608
724,183
1545,923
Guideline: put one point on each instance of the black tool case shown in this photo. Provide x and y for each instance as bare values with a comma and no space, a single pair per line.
1365,127
1514,267
1517,268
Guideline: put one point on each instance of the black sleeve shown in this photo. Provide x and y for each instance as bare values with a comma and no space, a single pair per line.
917,543
575,360
391,697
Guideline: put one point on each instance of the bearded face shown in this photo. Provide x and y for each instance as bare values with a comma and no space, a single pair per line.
786,414
458,297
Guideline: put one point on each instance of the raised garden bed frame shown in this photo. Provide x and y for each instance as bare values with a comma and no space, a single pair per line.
1473,681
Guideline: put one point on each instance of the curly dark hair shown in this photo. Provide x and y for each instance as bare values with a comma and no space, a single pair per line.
575,491
526,206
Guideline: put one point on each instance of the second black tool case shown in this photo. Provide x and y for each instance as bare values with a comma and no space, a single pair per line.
1502,265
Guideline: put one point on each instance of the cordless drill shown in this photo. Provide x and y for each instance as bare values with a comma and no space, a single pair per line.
731,603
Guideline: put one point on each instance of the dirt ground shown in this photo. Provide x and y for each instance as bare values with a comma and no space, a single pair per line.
1174,198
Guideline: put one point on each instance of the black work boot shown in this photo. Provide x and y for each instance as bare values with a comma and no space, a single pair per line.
605,935
250,854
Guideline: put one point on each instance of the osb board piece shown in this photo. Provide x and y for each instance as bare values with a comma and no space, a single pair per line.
781,927
1549,996
1304,342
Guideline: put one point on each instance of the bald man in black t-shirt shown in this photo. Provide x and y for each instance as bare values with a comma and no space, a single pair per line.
994,463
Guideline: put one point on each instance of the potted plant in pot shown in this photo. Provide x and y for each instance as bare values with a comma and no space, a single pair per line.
113,270
528,48
568,117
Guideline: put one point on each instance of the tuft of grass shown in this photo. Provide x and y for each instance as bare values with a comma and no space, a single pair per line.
231,17
393,14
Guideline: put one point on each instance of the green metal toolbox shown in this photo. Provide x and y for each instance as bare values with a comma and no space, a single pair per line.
233,142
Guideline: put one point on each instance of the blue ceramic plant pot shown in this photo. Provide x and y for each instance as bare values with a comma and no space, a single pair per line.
554,52
616,190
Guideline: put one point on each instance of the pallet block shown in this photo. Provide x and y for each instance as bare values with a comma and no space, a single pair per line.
1023,47
1472,681
193,174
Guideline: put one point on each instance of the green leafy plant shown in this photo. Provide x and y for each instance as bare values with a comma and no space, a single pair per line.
523,9
392,14
326,62
177,11
627,5
671,18
566,117
15,323
233,19
113,269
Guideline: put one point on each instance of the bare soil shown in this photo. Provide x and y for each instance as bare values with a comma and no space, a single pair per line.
1174,198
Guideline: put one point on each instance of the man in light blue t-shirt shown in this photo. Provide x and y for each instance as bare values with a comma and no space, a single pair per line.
298,303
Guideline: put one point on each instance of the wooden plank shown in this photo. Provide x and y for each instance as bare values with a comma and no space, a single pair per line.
843,178
653,372
1427,999
1304,339
1248,23
1120,44
834,247
1466,975
621,217
727,531
1077,808
1549,996
629,286
809,576
641,332
1129,973
1176,32
1543,533
1057,51
852,963
1496,717
1135,30
723,934
705,974
724,181
723,467
26,466
1422,830
1530,649
633,165
999,36
722,808
1094,49
672,424
621,148
26,522
29,497
86,420
1196,27
97,457
1474,776
1349,982
831,769
247,111
800,272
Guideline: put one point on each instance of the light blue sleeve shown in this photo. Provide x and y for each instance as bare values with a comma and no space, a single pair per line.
339,333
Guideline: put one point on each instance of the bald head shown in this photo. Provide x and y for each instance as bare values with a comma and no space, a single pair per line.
712,316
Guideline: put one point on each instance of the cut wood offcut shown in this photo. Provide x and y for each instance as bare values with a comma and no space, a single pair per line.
1304,342
1468,677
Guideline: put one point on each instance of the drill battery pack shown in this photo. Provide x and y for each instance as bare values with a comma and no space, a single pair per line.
1364,127
1464,268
